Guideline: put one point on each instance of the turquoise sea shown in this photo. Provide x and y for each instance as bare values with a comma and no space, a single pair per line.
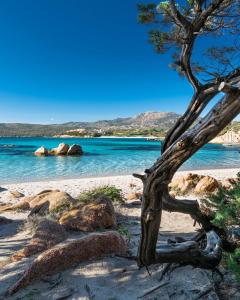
102,156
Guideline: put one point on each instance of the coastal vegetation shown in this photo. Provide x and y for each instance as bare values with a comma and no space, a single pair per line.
178,27
111,192
65,130
226,207
119,133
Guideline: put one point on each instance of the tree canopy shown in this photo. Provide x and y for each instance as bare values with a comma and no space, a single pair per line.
209,28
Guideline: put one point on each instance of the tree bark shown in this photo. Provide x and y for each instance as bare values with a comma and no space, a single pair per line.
155,189
198,103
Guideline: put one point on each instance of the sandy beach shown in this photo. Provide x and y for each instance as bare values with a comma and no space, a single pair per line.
110,277
75,186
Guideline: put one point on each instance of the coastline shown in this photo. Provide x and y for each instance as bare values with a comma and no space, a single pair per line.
148,138
15,236
77,185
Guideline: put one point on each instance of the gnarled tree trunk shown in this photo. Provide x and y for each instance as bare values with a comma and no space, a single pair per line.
179,146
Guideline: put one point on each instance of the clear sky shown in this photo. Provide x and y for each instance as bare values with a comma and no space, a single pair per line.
76,60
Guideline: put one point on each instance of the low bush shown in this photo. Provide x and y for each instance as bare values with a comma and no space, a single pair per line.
113,193
225,206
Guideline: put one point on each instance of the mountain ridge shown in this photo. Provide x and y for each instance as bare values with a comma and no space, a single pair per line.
145,120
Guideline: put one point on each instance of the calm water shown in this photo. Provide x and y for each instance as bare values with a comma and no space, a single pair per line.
101,157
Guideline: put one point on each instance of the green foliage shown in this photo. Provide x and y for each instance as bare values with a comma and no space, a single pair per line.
136,132
169,32
158,132
164,5
111,192
226,206
123,231
147,12
234,126
232,261
190,2
60,208
88,133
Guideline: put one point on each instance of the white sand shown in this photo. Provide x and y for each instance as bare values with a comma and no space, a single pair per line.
108,278
76,186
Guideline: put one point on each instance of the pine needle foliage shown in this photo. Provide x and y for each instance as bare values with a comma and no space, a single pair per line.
226,207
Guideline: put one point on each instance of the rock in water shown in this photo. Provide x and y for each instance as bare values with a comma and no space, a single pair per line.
62,149
42,151
71,253
48,233
75,150
97,214
207,185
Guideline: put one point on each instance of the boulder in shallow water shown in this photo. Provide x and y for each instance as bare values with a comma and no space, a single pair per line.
42,151
62,149
97,214
48,233
75,150
71,253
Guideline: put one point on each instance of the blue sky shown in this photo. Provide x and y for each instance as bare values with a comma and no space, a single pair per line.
75,60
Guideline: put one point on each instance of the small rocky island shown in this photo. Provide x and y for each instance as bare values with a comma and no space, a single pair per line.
62,149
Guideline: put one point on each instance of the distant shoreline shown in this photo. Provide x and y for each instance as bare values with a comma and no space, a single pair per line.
147,138
87,137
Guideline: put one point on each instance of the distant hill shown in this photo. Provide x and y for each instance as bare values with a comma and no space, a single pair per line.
148,120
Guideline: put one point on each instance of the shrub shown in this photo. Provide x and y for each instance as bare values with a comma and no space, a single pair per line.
111,192
124,231
225,205
61,208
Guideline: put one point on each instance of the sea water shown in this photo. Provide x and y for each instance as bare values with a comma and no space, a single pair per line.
102,157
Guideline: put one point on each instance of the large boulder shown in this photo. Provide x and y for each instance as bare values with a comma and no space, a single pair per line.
97,214
71,253
185,184
75,150
207,185
48,233
54,198
42,151
62,149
